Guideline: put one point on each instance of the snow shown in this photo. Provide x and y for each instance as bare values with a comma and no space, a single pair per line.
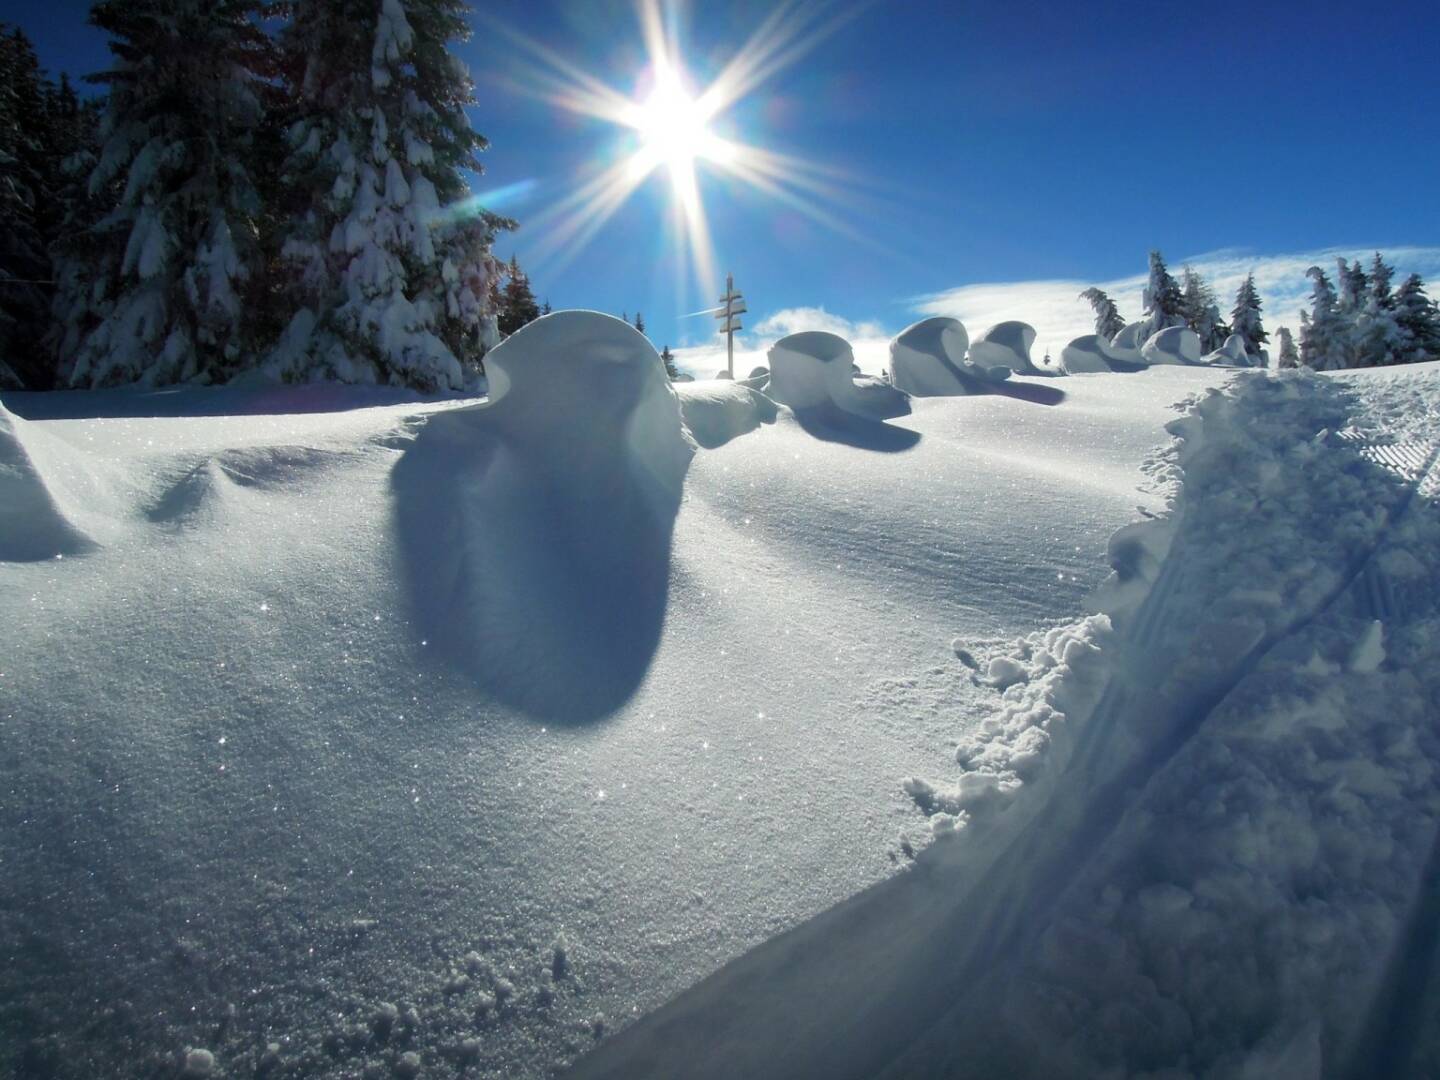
717,411
1172,345
927,358
1232,352
366,734
814,372
1086,354
1199,834
1006,345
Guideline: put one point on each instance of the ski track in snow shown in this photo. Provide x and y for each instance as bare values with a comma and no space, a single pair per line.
253,808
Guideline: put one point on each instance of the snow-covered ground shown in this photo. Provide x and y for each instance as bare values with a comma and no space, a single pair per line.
249,807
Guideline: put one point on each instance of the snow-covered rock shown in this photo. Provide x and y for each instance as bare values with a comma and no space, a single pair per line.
1006,345
1087,353
1173,345
537,524
815,371
926,359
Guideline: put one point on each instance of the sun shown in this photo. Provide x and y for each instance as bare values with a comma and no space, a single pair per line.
674,130
669,128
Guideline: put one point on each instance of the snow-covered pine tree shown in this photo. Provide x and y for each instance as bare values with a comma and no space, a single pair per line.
1288,357
668,359
1322,329
389,273
180,244
1162,300
1245,318
518,306
1108,322
1379,340
1200,310
1419,322
84,265
24,193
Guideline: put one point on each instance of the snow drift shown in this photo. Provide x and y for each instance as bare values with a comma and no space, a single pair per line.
813,372
535,528
720,410
1173,345
1087,353
926,359
1200,834
33,525
1127,343
1006,345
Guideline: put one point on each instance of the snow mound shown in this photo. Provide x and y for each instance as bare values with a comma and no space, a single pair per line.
814,371
926,359
535,528
1126,344
1173,345
1087,353
1232,352
716,412
1006,345
33,524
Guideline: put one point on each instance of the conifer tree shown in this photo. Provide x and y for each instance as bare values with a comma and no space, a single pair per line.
1162,301
1352,286
84,264
668,359
25,190
1288,357
389,271
518,306
1322,328
1201,312
639,322
1245,317
180,244
545,308
1419,322
1108,322
1379,340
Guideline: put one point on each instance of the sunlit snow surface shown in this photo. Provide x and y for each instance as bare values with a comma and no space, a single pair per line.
243,801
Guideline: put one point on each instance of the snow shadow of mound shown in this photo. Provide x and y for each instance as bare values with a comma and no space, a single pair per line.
33,526
829,423
1034,393
534,530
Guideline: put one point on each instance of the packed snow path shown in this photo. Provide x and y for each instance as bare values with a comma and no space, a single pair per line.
251,807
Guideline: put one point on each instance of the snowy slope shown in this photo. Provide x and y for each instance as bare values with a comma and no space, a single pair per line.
1199,836
246,800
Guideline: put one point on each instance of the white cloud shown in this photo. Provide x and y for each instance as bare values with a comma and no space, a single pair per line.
1058,314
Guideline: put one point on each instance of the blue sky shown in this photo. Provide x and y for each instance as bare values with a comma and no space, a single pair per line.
980,145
